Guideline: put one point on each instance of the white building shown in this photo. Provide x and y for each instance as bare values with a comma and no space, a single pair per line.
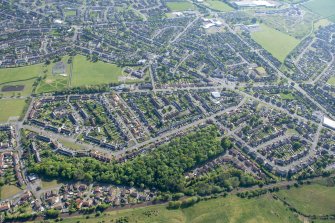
328,122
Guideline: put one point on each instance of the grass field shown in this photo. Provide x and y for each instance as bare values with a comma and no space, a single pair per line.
324,8
311,199
51,82
20,76
28,88
218,5
89,73
46,184
331,81
11,108
9,75
54,84
71,145
180,6
9,190
277,43
231,209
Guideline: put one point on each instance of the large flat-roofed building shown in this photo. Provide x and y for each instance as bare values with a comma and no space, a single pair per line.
329,122
255,3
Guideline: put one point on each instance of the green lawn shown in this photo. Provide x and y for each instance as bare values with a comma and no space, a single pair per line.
232,209
288,96
311,199
180,6
325,8
88,73
70,13
331,81
277,43
11,107
218,5
71,145
9,190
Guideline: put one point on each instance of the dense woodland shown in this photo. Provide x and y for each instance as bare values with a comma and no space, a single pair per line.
162,169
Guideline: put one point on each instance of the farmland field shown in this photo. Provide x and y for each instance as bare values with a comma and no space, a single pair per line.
231,209
311,199
218,5
180,6
290,25
89,73
10,108
277,43
324,8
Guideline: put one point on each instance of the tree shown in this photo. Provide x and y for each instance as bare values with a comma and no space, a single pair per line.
226,143
52,213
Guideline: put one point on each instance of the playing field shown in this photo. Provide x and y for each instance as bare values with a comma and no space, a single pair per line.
325,8
218,5
311,199
11,108
180,6
231,209
88,73
275,42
